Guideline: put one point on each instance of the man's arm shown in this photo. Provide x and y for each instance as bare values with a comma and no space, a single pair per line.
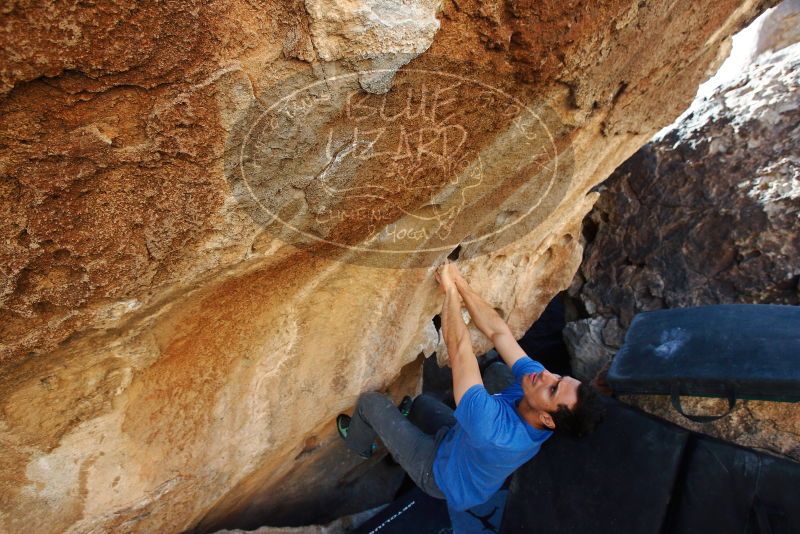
466,372
490,323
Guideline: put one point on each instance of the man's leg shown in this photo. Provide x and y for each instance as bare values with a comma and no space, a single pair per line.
430,414
376,415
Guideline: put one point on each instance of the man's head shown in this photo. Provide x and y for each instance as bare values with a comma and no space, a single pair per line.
561,403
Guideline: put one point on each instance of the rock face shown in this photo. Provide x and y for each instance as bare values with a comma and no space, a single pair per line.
172,341
706,214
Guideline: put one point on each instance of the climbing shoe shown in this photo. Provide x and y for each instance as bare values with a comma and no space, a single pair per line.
405,405
343,424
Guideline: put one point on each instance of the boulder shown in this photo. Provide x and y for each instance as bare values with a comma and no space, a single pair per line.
220,220
706,213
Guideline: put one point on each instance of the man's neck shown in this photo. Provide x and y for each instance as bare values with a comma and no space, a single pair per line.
529,415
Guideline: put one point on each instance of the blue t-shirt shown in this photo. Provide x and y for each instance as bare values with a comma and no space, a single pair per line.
489,441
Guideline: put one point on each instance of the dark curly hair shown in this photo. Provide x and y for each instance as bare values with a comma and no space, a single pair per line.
582,419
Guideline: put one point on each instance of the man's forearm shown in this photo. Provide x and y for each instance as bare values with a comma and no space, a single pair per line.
486,318
453,328
466,372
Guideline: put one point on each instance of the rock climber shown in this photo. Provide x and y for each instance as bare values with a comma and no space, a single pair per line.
465,456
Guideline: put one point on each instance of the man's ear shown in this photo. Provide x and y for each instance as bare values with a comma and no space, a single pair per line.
546,420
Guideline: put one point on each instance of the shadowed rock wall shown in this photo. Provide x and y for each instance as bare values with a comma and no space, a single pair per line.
706,214
168,350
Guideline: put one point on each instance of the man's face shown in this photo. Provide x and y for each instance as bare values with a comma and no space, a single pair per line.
544,391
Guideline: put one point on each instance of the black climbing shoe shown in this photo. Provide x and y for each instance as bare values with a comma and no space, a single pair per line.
405,405
342,424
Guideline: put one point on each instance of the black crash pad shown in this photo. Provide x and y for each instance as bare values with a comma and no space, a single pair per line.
414,512
726,488
418,513
617,480
638,474
749,351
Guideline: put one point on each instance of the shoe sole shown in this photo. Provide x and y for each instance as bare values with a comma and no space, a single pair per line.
405,405
339,418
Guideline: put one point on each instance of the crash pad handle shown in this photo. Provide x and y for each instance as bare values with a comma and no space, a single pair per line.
676,403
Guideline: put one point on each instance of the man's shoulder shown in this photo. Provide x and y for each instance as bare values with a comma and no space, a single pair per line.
526,365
